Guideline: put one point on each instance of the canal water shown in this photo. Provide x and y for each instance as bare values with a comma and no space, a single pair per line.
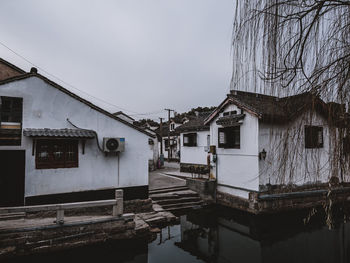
224,235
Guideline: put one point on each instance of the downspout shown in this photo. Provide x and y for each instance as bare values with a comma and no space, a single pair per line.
96,136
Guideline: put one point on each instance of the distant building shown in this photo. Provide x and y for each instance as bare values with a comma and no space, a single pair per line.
195,142
170,149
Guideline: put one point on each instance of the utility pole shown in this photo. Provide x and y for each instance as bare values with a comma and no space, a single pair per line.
161,135
169,151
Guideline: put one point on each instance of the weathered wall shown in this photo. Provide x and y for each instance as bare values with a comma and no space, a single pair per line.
238,167
287,160
46,107
195,154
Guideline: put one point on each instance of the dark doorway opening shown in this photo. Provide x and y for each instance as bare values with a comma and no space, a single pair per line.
12,170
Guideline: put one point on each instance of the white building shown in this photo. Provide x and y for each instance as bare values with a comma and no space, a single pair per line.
195,142
169,140
53,147
261,142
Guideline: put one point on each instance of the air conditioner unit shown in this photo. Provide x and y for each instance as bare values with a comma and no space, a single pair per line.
111,144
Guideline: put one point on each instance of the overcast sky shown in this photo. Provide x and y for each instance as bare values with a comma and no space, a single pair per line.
140,55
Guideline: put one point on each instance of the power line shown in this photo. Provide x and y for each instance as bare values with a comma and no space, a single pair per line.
66,83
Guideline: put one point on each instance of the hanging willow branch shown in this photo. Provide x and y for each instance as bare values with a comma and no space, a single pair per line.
285,48
293,46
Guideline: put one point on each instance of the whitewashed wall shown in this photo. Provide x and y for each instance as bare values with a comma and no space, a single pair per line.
195,154
46,107
286,144
238,167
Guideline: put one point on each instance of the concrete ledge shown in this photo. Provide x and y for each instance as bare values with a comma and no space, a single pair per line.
263,203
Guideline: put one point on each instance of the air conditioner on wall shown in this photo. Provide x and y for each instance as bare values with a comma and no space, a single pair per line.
112,144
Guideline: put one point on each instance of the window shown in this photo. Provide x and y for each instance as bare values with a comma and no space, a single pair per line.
10,120
166,144
227,113
229,137
11,109
172,126
190,139
56,154
313,137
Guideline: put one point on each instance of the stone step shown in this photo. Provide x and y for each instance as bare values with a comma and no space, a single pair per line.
181,208
175,205
8,216
168,189
172,196
177,200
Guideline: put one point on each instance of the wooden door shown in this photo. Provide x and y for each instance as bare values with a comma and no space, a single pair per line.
12,170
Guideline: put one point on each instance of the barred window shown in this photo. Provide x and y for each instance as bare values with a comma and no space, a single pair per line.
56,154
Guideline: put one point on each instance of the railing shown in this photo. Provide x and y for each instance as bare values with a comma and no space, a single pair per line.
117,204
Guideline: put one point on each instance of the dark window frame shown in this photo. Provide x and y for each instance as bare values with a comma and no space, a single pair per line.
312,137
192,139
232,137
11,109
61,153
166,144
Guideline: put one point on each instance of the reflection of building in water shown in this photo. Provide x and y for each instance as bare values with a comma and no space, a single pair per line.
244,238
200,241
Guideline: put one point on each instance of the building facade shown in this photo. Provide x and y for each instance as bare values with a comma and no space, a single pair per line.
55,146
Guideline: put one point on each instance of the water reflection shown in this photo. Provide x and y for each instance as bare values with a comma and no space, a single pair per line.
235,237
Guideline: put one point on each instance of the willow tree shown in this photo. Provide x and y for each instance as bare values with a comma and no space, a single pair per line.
284,48
287,47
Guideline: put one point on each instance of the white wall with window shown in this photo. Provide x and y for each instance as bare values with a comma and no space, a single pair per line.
237,163
194,147
73,170
299,149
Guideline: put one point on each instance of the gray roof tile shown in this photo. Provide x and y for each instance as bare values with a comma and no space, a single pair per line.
66,133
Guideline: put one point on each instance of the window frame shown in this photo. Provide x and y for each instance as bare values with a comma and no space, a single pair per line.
67,146
15,111
231,135
192,139
312,139
11,115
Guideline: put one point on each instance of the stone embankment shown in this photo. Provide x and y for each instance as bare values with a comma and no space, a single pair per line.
28,233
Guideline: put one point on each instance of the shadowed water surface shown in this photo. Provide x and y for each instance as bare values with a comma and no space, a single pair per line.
223,235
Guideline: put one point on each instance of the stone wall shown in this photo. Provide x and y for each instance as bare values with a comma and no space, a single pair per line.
69,235
138,206
194,168
205,188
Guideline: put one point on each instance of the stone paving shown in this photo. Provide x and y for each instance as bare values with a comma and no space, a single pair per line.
158,179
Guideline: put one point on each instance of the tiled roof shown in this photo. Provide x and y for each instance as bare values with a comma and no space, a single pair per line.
195,124
270,108
230,120
66,133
